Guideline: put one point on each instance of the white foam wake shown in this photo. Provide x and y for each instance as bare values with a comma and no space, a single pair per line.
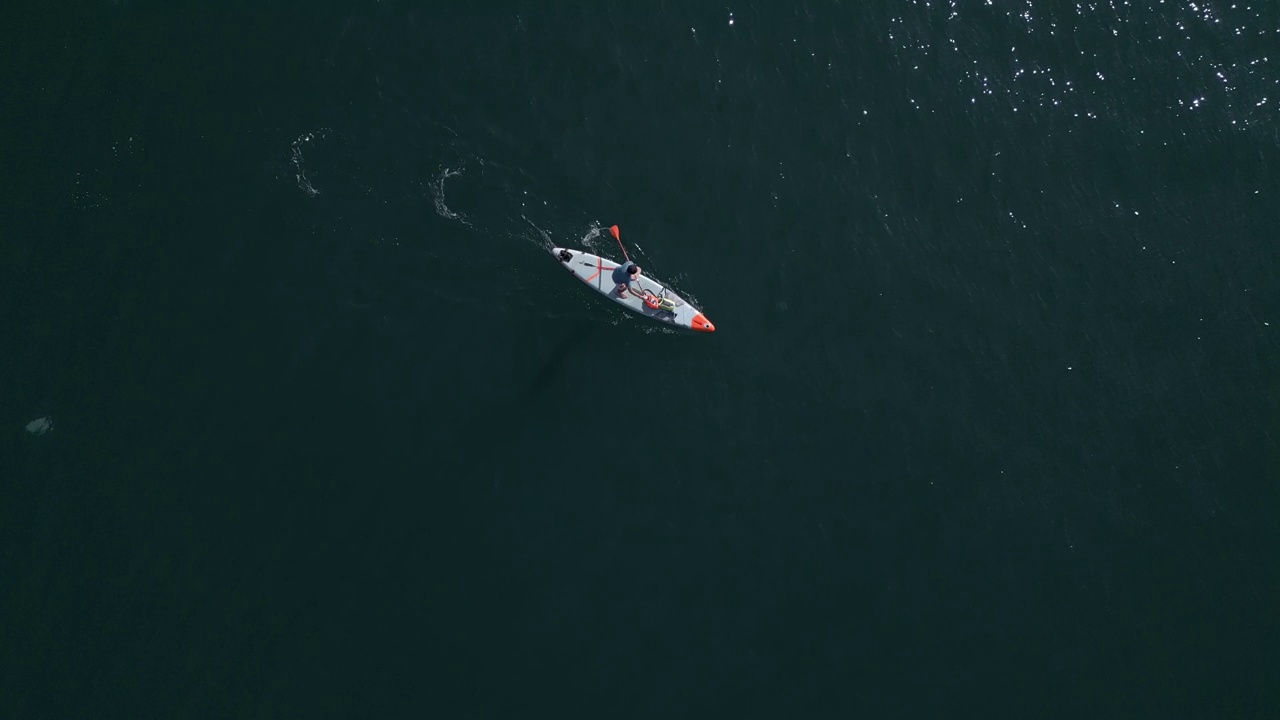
299,161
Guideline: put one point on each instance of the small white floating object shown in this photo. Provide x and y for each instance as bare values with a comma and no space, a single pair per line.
40,426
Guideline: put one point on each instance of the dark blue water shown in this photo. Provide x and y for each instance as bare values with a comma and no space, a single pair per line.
303,421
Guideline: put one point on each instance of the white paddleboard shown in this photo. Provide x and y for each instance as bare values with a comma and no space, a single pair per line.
597,273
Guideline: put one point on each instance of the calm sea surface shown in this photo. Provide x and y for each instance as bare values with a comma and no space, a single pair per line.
300,419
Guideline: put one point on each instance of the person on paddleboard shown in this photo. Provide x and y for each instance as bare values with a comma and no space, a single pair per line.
626,273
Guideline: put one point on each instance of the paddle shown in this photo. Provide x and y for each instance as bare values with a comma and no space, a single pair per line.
617,236
613,230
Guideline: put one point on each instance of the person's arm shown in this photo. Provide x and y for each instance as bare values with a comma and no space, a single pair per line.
642,293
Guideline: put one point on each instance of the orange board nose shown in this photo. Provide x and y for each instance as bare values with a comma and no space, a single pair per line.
702,324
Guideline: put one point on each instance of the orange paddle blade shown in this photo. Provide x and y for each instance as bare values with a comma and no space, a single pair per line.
614,230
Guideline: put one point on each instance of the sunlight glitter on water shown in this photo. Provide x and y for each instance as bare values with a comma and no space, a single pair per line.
1215,53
